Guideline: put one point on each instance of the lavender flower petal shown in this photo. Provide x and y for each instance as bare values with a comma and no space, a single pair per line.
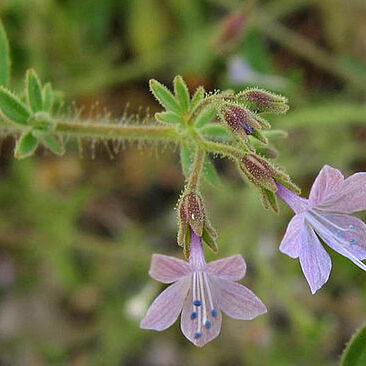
328,182
351,198
291,243
165,309
315,261
237,301
231,268
168,269
199,335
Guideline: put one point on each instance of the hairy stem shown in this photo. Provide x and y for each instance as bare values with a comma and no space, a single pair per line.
196,171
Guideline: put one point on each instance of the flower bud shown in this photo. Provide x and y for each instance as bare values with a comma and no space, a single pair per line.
263,101
242,121
260,172
231,29
192,216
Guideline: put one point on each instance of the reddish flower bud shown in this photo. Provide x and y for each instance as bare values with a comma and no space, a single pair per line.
242,121
260,172
192,216
263,101
232,28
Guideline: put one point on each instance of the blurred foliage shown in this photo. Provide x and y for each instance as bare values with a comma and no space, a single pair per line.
77,234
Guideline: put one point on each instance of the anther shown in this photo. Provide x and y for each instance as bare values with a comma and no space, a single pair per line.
197,303
339,233
214,313
193,315
351,227
197,335
352,241
207,324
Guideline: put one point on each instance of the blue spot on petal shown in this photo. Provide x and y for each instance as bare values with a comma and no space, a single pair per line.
193,315
214,313
207,324
353,241
351,227
197,303
198,335
339,233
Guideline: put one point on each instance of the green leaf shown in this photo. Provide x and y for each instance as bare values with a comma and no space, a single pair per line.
168,117
210,173
12,107
186,160
34,91
205,116
198,97
209,240
216,131
26,145
355,352
4,57
164,96
54,145
47,96
181,92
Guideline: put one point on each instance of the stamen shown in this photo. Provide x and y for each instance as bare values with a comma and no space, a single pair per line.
202,289
197,303
194,315
198,335
213,311
207,324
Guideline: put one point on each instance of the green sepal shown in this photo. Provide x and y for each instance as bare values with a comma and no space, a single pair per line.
208,239
216,131
47,95
182,93
198,97
210,173
26,145
271,199
186,160
164,96
34,91
168,117
355,352
53,144
4,57
187,242
12,108
275,134
205,116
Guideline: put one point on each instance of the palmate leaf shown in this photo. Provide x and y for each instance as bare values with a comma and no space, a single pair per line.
4,58
26,145
165,97
168,117
205,116
34,91
210,173
198,97
12,108
181,93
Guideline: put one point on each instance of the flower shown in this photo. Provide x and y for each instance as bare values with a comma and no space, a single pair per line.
200,291
326,213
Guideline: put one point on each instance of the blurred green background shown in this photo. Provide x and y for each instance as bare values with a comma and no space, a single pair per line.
77,233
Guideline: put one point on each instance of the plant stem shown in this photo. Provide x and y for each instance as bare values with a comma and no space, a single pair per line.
117,131
197,168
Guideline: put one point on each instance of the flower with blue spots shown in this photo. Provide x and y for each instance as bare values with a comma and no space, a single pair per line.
200,291
326,213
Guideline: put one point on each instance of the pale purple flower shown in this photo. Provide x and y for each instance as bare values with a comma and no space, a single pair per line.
200,291
326,213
